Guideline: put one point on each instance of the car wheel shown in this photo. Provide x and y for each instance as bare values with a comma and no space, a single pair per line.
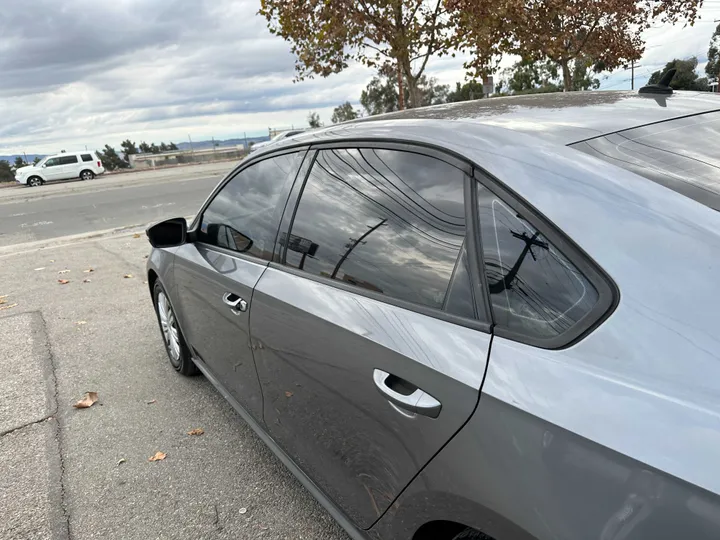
471,534
175,345
87,175
34,181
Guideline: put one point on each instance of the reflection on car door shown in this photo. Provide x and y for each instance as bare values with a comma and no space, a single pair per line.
366,369
216,274
69,167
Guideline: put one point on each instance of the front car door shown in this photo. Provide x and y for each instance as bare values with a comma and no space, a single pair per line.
52,169
216,273
369,345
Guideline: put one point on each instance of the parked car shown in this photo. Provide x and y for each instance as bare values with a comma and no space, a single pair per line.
66,166
279,137
492,319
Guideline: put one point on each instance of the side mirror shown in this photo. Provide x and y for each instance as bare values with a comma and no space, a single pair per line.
169,233
43,165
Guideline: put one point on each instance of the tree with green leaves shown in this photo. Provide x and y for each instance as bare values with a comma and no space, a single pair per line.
36,160
173,146
6,173
111,160
129,148
164,147
144,148
528,77
686,77
712,68
325,36
466,92
564,32
343,113
380,95
19,162
313,119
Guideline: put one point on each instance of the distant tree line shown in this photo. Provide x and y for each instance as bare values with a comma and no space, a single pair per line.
113,161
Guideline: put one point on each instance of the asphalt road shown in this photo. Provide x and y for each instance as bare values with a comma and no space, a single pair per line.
34,214
69,473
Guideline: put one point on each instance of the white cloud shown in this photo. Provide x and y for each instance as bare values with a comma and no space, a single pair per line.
82,72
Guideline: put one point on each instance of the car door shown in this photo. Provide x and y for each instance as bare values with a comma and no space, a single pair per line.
369,342
53,169
215,274
70,167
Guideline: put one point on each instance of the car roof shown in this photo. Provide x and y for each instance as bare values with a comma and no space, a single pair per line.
565,118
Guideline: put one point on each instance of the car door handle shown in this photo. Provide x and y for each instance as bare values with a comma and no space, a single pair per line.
237,304
417,401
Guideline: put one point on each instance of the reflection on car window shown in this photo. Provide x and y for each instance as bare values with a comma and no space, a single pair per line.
680,154
52,162
387,221
460,298
534,290
245,215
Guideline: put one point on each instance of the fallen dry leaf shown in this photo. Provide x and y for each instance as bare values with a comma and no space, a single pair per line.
288,394
128,276
137,235
196,431
88,401
151,401
63,281
86,280
89,270
63,271
52,260
159,456
121,461
2,299
7,307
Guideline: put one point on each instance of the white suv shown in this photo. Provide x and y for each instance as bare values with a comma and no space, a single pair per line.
65,166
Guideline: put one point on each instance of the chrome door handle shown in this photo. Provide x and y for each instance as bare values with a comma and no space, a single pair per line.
235,302
418,401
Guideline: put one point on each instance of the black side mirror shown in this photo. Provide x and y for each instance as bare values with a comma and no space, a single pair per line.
169,233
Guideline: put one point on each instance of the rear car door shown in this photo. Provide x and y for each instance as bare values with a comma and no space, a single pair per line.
369,342
216,273
70,167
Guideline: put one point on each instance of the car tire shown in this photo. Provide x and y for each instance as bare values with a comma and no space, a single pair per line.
175,346
87,175
34,181
471,534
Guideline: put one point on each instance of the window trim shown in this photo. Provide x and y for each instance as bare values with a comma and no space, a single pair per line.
385,299
288,221
192,234
608,292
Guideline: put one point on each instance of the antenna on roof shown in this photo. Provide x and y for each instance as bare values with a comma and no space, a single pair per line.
662,87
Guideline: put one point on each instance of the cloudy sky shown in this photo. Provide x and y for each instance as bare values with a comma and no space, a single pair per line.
90,72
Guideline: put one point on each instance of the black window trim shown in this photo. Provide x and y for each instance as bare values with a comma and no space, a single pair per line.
288,220
192,234
608,292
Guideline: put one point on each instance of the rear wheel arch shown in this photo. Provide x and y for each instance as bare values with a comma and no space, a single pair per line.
448,530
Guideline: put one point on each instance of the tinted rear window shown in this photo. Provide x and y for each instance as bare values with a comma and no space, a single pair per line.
86,157
680,154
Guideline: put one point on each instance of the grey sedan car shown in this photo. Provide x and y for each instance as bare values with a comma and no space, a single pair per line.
497,319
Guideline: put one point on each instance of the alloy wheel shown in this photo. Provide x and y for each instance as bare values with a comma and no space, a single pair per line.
168,324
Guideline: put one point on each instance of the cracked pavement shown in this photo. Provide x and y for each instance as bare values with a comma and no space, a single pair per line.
60,472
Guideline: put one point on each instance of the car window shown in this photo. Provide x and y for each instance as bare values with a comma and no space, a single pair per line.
86,157
460,299
386,221
679,154
67,160
535,291
52,162
245,214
